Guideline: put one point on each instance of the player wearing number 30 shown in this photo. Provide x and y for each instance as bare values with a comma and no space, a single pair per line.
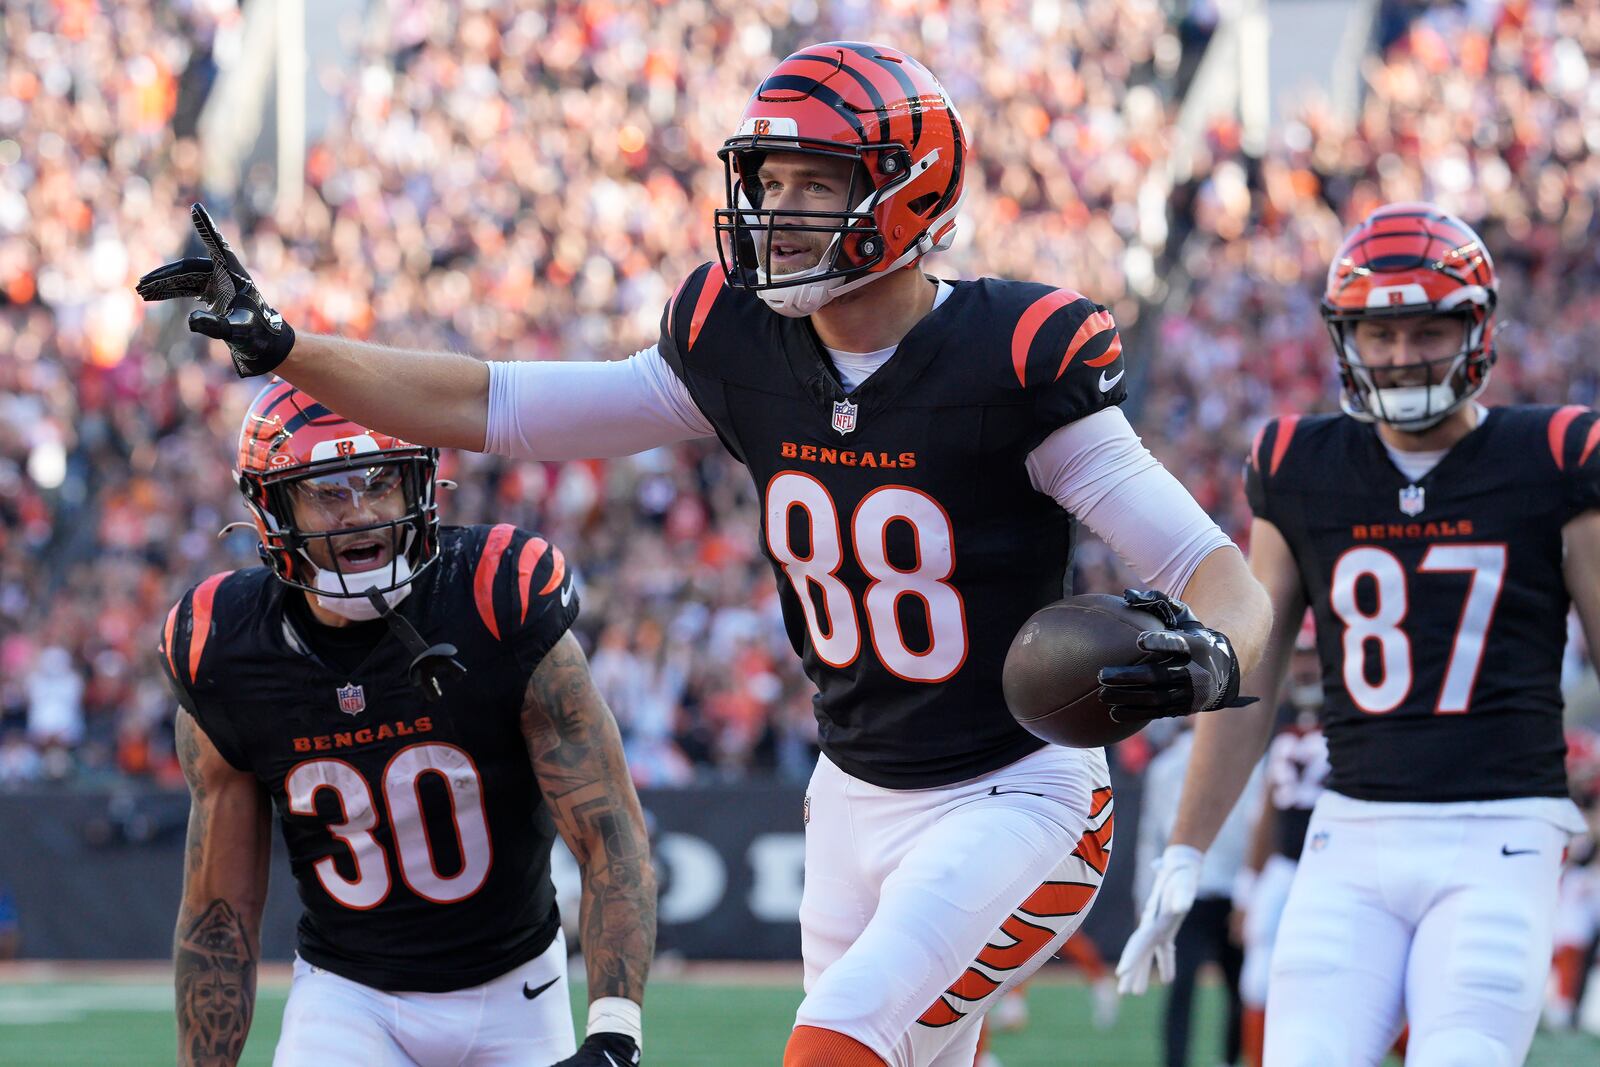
408,698
922,450
1438,544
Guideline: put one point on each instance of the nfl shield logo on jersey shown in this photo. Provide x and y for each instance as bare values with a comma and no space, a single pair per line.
1411,500
352,701
844,416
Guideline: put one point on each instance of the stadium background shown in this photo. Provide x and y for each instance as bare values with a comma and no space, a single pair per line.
529,181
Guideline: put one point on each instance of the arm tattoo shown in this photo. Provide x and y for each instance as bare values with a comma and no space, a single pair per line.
577,756
215,974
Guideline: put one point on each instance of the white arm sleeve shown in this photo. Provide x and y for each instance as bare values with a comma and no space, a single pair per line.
557,410
1097,468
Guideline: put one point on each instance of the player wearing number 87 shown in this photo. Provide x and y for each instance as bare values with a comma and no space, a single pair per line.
408,698
1439,545
922,451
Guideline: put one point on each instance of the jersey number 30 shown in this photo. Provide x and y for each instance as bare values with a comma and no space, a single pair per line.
835,630
1383,625
372,882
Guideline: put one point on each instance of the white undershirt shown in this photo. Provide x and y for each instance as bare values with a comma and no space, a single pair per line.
1095,467
856,367
1416,465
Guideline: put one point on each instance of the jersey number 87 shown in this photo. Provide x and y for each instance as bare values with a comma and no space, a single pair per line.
1487,565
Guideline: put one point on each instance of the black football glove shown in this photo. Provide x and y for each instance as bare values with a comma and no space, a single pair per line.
1198,669
257,336
604,1049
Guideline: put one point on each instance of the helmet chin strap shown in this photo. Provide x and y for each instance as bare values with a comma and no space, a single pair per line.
349,595
431,665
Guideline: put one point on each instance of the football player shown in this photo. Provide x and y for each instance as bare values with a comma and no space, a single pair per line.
408,699
922,450
1439,544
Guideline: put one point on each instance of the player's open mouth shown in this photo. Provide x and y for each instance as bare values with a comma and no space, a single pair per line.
791,257
363,555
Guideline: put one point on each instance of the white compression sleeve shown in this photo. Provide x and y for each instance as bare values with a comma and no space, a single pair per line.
1099,470
557,410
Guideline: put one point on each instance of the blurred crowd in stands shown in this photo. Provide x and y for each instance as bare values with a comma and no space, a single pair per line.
531,181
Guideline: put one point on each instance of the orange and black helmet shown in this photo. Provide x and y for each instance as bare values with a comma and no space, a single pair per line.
1405,260
290,444
868,103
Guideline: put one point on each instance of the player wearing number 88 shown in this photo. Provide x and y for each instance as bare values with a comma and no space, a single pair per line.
408,698
1440,545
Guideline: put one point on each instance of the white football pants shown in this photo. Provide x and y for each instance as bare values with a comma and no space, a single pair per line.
922,907
1445,923
334,1022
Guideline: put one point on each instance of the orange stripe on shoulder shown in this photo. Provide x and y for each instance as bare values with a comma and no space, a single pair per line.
488,567
672,304
205,595
527,560
1280,444
1589,443
708,295
1028,327
1092,327
1558,432
558,571
1255,447
166,639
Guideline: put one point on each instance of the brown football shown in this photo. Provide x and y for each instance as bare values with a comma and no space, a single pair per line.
1050,680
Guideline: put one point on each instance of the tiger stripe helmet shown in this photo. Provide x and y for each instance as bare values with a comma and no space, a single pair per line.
288,437
1405,260
869,103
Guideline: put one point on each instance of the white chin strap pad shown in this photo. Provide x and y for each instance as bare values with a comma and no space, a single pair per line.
357,607
798,301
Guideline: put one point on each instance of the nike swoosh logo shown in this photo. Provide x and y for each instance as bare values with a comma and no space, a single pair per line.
531,993
1506,850
566,593
1107,383
994,791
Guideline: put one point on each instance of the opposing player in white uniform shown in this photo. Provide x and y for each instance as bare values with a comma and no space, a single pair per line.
921,450
1439,545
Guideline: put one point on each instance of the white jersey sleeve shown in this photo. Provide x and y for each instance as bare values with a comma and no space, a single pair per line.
1099,470
556,410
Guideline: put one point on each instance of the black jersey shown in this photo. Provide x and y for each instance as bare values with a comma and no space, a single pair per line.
908,543
1441,605
416,830
1297,768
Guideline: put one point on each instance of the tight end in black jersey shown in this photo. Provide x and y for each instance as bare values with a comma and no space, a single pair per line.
1440,604
908,543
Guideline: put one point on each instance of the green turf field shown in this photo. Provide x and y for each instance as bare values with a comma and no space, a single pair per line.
103,1023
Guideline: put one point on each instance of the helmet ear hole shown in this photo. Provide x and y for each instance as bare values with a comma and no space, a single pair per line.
924,203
